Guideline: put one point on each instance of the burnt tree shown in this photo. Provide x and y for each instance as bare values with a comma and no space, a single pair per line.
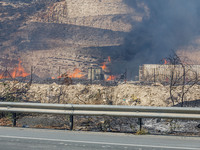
183,76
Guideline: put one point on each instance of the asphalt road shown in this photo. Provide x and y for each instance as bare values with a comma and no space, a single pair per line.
44,139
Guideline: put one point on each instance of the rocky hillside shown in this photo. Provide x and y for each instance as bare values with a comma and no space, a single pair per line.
48,34
63,33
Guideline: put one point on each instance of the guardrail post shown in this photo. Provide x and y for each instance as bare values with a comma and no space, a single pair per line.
140,123
14,120
71,122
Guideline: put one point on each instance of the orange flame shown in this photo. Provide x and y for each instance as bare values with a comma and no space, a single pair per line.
104,63
3,76
59,77
103,66
76,74
109,59
165,61
111,77
17,72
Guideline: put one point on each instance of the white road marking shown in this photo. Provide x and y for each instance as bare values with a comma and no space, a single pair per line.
100,143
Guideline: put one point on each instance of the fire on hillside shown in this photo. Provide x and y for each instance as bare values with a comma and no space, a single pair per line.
101,74
105,69
18,71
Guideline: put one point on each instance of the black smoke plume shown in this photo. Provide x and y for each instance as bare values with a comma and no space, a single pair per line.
170,24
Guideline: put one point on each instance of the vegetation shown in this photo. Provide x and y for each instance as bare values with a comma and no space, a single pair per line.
14,91
183,77
141,132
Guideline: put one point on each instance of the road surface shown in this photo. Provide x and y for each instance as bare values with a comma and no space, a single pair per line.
44,139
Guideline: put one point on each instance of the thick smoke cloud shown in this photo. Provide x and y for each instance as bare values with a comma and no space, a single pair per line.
171,24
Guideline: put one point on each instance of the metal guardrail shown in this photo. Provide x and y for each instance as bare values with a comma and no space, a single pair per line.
101,110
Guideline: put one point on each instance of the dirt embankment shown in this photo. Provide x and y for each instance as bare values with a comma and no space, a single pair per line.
123,94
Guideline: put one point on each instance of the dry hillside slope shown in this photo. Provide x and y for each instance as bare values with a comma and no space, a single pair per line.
67,34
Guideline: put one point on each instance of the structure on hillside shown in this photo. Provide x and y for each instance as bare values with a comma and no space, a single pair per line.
164,73
95,74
